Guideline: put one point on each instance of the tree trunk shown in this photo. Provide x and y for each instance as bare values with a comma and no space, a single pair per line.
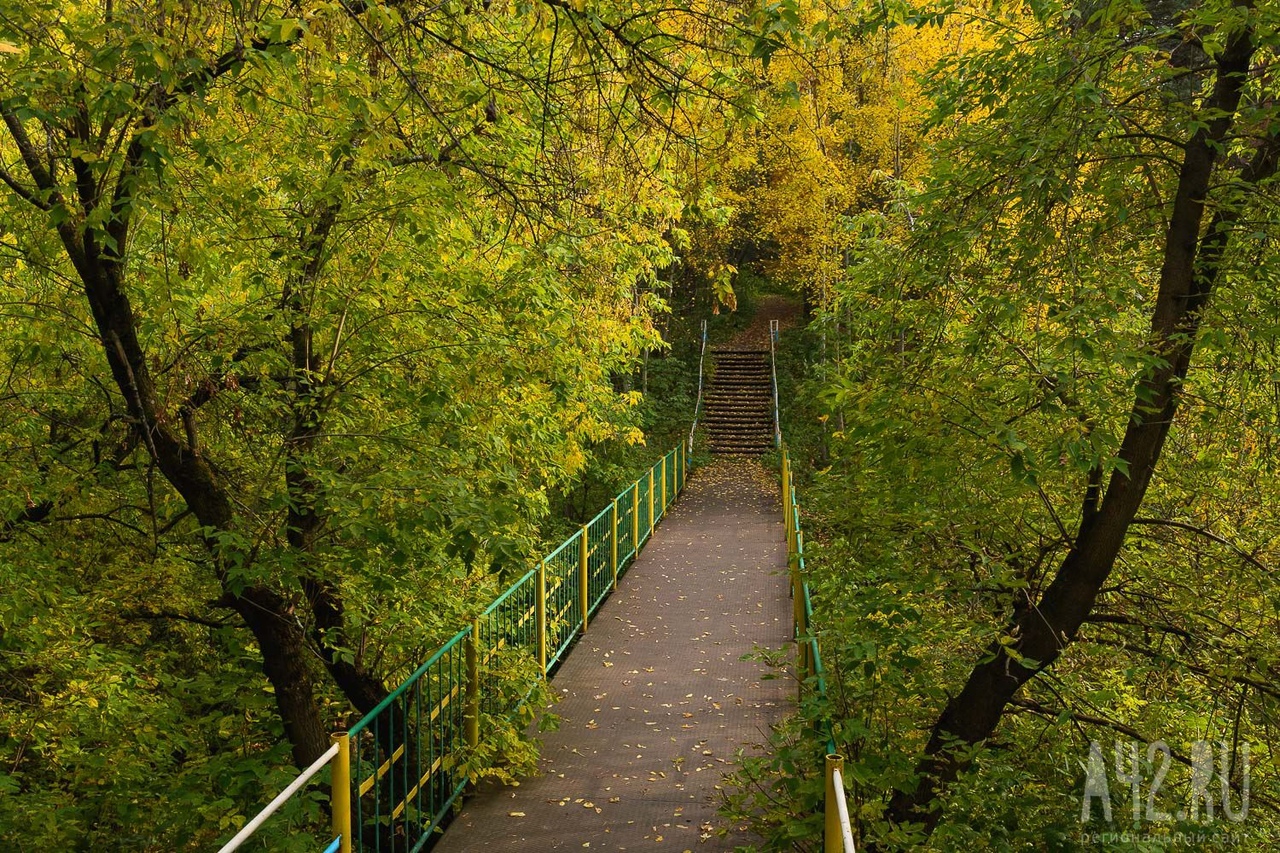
1043,631
284,662
98,255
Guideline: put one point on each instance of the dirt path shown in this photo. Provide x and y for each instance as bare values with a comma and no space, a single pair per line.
656,698
785,309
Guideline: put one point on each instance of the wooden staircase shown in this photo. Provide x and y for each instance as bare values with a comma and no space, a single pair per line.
739,400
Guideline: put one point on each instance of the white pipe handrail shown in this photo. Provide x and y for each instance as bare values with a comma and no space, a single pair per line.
774,332
846,829
698,404
303,778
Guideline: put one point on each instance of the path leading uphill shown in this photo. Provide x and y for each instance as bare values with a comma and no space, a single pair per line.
656,698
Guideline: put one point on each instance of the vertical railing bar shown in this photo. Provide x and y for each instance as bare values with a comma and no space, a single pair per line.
613,543
417,750
584,570
357,816
403,796
377,786
472,718
635,519
650,504
540,616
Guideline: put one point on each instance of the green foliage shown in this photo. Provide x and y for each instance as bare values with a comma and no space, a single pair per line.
976,368
307,311
504,752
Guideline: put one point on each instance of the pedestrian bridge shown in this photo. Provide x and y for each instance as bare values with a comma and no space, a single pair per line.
642,624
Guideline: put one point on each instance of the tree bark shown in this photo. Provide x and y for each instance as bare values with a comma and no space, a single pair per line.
1190,270
303,523
98,257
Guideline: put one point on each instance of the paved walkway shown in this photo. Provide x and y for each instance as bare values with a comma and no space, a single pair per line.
655,699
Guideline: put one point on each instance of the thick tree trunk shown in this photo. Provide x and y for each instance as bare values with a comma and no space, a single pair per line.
303,523
98,256
1044,630
284,662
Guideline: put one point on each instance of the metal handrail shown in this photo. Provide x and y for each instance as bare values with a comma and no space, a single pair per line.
774,331
698,405
837,829
281,798
459,694
845,829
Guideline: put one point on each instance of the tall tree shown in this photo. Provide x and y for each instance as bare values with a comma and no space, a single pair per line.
309,303
1230,153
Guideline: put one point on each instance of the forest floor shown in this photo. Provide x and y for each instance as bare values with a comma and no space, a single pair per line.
656,698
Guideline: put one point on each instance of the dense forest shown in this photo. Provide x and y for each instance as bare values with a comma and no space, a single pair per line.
320,319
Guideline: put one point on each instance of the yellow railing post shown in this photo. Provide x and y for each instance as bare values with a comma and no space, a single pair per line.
584,554
786,494
664,483
680,472
650,502
340,795
540,608
832,841
472,711
613,543
797,620
794,528
635,520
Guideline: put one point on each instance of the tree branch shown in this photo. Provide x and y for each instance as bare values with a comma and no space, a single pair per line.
23,192
227,622
1207,534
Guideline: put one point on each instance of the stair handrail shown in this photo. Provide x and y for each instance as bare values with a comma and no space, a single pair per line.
774,332
698,405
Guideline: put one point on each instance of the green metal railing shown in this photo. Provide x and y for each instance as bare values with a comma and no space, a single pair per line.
405,754
408,754
396,774
837,831
837,834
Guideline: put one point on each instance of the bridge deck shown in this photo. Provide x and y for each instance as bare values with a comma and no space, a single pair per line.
655,699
